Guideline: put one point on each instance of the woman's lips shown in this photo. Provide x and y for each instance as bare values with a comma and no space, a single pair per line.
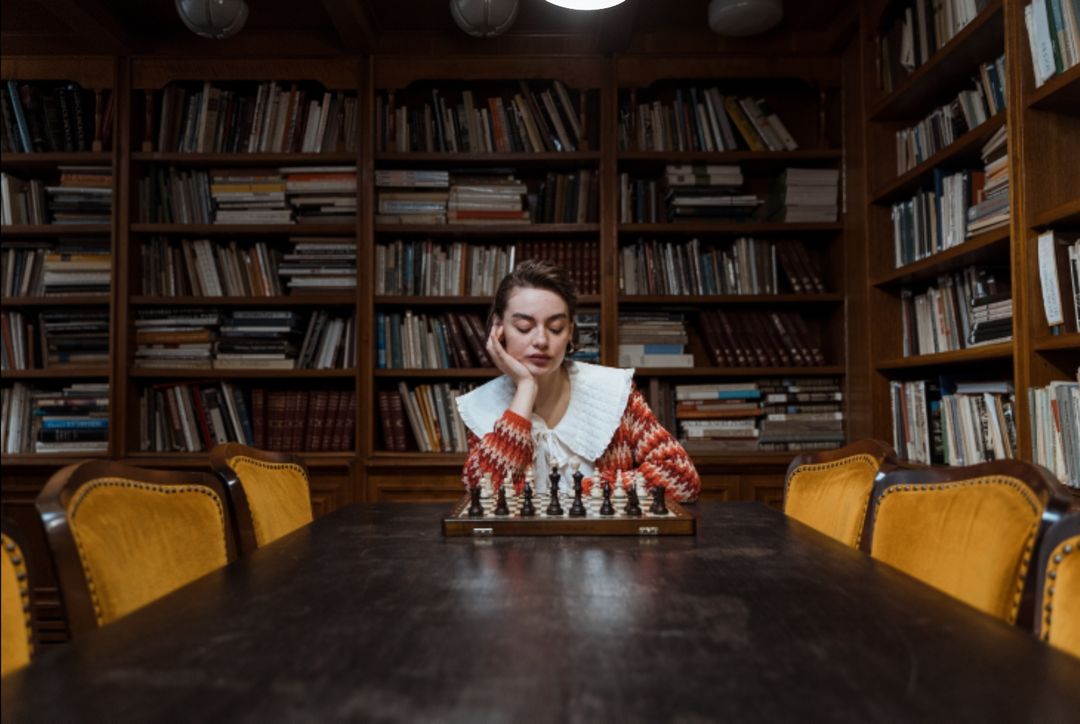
539,359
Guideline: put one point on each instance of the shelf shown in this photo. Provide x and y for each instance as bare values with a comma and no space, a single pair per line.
12,231
202,459
454,373
748,299
329,299
999,351
399,460
548,159
156,373
488,229
59,300
937,80
58,373
985,247
757,159
47,160
964,149
1060,94
719,227
50,460
401,300
746,459
1065,342
245,229
1063,215
739,371
247,159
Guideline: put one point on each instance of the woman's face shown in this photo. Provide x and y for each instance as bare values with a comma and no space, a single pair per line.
536,329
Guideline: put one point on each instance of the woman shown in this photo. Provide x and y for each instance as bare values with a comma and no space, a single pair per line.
548,408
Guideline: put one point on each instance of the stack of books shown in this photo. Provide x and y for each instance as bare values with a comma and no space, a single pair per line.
412,206
486,199
175,338
653,339
805,195
587,326
203,268
992,201
74,419
937,219
84,196
425,417
1055,429
718,417
54,339
1053,29
419,341
47,268
249,196
319,264
760,339
801,414
321,194
704,193
969,308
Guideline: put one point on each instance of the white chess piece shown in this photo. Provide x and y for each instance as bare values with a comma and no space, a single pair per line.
620,486
639,484
487,490
597,492
530,477
508,485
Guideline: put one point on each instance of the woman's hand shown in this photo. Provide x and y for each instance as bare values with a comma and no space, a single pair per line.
509,366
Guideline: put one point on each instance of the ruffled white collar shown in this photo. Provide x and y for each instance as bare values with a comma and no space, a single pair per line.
598,397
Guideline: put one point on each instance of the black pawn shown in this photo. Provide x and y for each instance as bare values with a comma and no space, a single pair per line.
528,510
659,506
554,508
606,508
501,508
476,510
577,510
633,504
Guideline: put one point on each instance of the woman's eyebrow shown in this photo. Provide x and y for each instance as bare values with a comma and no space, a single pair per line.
528,318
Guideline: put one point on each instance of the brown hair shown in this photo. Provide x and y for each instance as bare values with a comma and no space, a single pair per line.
536,274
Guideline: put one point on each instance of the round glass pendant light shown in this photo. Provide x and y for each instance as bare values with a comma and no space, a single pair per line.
586,4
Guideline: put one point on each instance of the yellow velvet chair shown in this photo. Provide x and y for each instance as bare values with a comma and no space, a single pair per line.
968,531
270,492
1057,619
16,606
830,491
123,537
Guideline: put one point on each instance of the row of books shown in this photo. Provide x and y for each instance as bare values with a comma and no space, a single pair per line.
429,268
244,339
405,340
53,268
54,116
702,119
1059,277
746,266
968,308
968,110
1055,429
920,28
686,193
424,417
804,195
82,196
941,422
1053,29
50,339
538,117
205,268
270,117
760,339
194,417
73,419
587,332
653,339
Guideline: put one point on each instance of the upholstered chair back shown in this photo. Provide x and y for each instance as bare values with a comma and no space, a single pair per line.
270,492
968,531
123,537
1057,613
16,611
830,491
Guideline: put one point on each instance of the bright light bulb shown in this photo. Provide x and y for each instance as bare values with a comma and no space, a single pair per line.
586,4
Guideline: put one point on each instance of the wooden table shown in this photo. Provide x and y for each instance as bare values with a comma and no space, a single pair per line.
370,614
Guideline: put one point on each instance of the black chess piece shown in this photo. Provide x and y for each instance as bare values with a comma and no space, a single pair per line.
476,510
528,510
501,508
554,508
633,504
577,509
606,508
659,506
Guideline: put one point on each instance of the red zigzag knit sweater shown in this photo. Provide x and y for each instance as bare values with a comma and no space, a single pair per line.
640,444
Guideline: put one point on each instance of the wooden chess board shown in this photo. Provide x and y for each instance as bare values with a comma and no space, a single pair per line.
459,523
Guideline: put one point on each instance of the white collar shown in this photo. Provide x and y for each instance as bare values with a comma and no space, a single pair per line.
598,397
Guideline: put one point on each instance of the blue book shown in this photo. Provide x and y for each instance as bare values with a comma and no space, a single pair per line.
89,423
242,413
395,357
380,340
20,117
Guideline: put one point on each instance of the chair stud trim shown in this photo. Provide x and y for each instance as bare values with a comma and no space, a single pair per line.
19,563
270,466
1063,549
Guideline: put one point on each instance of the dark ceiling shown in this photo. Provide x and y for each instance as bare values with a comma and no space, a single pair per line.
329,27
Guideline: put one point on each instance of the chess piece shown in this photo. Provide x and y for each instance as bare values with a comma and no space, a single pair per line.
620,486
476,510
487,488
639,484
633,504
659,506
527,508
501,508
607,508
577,509
554,508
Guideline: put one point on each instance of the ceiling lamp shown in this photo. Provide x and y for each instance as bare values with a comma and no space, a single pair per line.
738,18
586,4
484,18
217,19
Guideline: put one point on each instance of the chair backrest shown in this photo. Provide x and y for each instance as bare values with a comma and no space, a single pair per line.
16,605
270,492
123,536
1057,617
968,531
830,490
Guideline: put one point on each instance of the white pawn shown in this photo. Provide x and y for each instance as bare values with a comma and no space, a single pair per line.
487,488
508,484
597,492
639,484
530,478
620,488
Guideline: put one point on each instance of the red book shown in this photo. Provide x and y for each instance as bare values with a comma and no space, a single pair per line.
349,426
387,423
200,417
313,437
333,408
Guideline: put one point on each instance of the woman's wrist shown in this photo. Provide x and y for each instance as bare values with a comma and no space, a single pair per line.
524,397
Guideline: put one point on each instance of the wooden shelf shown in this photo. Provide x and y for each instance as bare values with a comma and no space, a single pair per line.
1060,94
58,373
999,351
329,299
247,159
740,371
12,231
454,373
488,229
396,460
1062,215
964,149
11,161
155,373
202,459
401,300
50,460
59,300
950,68
766,159
719,227
746,459
1066,342
745,299
988,246
548,159
246,229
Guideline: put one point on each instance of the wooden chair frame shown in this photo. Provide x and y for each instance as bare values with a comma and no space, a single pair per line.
1067,527
241,508
12,530
52,505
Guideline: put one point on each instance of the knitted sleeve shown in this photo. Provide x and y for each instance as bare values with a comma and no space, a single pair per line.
653,452
504,452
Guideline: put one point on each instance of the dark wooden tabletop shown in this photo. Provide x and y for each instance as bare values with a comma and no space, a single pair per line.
370,614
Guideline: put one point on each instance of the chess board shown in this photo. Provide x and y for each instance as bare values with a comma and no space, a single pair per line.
459,523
